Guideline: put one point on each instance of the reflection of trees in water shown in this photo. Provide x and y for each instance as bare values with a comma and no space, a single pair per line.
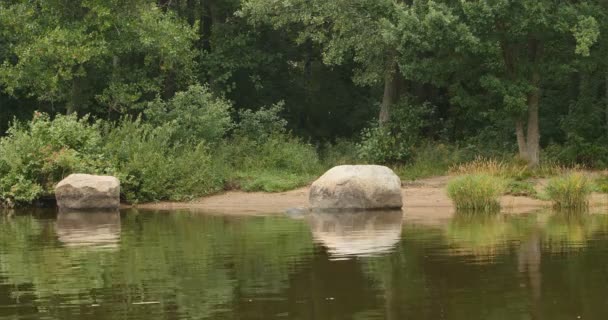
196,266
529,256
350,234
192,266
571,231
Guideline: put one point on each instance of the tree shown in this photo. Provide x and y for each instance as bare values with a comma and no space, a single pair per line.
345,30
522,44
80,53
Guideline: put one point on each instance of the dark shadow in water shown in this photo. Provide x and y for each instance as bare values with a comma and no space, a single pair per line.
89,228
361,233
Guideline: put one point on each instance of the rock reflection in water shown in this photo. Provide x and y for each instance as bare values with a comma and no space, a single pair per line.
99,229
362,233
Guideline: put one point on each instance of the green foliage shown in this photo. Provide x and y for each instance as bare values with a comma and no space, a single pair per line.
432,160
261,124
196,114
478,192
570,191
35,156
586,32
342,152
601,184
521,189
395,142
76,52
151,167
278,163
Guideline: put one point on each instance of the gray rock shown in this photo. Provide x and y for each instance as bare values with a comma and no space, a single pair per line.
297,213
84,191
362,187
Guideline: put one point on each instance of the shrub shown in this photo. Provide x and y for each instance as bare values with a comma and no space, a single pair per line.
432,160
196,113
280,163
382,145
263,156
342,152
476,192
152,168
570,191
34,156
261,124
395,141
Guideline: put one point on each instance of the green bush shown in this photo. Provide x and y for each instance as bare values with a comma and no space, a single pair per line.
476,192
432,160
570,191
280,163
395,141
578,151
34,156
153,168
261,124
196,113
341,152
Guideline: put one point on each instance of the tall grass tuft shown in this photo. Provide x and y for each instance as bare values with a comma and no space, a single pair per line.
476,192
570,191
512,169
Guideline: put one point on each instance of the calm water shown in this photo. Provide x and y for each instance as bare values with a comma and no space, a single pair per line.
180,265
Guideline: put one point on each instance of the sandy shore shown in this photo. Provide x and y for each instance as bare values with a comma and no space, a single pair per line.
423,199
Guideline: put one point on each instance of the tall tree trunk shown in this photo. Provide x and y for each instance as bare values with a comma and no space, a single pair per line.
606,99
533,125
533,135
72,105
391,92
521,139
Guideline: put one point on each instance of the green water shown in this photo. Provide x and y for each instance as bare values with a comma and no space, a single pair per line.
176,265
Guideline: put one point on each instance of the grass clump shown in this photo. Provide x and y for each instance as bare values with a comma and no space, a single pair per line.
570,191
476,192
509,169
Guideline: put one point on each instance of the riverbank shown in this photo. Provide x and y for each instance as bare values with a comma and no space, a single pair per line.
424,199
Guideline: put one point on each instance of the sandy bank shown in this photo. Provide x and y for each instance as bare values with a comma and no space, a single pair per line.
423,199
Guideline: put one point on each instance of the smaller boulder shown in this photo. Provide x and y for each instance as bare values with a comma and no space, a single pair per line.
359,187
84,191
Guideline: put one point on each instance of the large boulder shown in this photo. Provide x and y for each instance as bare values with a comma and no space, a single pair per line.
84,191
360,187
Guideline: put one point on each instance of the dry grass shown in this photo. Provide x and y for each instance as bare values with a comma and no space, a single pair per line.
570,191
514,169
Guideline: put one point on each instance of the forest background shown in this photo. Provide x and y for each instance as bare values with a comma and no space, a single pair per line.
184,98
